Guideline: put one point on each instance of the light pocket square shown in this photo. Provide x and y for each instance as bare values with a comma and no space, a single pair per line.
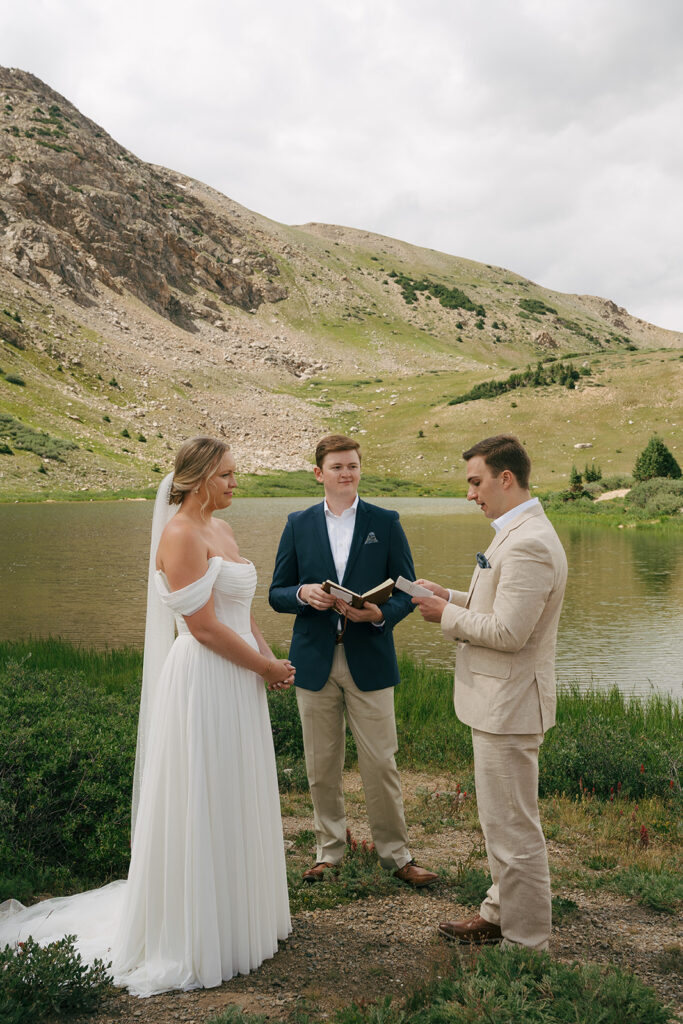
371,539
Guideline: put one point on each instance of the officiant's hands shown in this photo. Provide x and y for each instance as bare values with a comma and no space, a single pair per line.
313,594
368,613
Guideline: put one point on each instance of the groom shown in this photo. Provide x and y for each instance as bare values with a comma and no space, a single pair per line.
506,628
345,658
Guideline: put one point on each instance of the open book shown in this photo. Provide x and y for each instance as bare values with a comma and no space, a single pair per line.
378,595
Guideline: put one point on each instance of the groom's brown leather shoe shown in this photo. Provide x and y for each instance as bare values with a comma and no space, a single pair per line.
415,875
476,929
316,873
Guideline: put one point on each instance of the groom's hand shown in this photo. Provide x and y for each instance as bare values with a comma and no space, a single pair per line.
435,588
314,595
431,608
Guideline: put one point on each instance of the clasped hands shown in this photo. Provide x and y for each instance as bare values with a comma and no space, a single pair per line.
279,674
431,608
314,595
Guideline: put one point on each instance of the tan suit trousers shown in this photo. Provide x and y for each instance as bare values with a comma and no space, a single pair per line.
506,781
371,720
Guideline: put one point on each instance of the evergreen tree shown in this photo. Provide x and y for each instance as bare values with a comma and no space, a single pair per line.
575,481
656,460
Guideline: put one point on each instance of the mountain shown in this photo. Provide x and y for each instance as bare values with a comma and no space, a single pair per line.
139,306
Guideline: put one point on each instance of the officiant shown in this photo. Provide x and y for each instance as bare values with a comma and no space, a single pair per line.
344,656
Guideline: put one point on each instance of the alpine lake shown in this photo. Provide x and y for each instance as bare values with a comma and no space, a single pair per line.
79,571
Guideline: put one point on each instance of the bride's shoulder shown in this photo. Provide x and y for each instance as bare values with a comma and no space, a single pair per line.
180,540
224,529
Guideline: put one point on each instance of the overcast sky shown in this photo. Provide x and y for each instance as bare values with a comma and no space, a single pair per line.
540,135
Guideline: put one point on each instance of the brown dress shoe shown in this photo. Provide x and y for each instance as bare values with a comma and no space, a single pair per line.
316,873
414,875
477,930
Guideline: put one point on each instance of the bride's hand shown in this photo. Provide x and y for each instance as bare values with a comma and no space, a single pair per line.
282,686
279,674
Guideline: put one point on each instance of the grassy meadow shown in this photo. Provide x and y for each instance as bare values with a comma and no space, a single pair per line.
610,803
68,720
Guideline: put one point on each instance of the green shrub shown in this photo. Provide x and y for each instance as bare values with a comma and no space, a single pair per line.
30,440
286,724
616,482
604,741
659,889
532,377
449,298
12,378
658,496
536,306
48,982
520,986
66,764
656,460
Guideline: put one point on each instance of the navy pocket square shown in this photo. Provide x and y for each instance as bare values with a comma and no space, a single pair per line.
482,561
371,539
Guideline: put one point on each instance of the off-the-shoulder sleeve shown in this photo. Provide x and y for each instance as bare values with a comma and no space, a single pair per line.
194,596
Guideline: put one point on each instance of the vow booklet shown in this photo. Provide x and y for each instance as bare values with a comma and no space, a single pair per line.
414,589
378,595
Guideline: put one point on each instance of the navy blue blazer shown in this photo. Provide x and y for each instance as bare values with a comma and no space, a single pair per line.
379,549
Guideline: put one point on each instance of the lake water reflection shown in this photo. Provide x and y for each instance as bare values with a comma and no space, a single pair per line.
79,571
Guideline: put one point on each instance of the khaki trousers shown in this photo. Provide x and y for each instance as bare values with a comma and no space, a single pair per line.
506,782
371,720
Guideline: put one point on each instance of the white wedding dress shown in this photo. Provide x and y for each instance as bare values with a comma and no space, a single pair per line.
206,895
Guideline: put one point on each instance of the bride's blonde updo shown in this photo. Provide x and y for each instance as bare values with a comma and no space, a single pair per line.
196,461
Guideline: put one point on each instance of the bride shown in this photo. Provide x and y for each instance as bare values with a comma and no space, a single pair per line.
206,894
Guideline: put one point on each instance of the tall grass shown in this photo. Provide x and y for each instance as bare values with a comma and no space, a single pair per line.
114,670
68,718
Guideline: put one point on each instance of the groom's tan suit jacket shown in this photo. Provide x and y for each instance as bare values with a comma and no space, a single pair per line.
506,625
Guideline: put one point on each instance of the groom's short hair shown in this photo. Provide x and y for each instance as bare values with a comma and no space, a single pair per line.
335,443
503,451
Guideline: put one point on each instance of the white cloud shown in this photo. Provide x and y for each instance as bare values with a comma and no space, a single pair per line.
542,137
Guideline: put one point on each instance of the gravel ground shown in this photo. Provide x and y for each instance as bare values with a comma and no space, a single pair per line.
388,944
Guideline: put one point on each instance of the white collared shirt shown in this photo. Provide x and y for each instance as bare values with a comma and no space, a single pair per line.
507,517
504,520
340,532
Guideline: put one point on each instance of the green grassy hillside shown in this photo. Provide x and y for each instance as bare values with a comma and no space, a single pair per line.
139,307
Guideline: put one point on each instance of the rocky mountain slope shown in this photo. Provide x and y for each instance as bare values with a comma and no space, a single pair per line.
138,307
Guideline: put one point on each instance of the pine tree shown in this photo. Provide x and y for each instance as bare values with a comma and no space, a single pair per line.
656,460
575,481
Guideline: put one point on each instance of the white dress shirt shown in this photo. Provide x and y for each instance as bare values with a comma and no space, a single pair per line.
340,533
507,517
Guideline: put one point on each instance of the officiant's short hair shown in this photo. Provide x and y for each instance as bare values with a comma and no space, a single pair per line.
335,443
503,451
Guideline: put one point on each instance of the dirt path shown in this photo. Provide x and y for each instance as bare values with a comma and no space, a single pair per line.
367,949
